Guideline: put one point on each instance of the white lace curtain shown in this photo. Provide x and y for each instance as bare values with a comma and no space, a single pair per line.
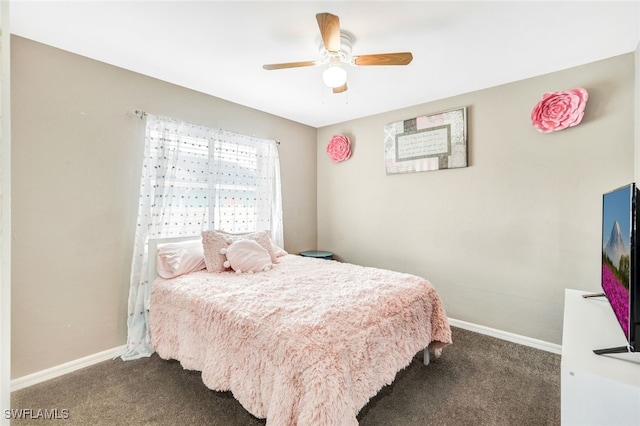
196,178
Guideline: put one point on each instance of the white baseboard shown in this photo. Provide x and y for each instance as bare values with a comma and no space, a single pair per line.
505,335
67,367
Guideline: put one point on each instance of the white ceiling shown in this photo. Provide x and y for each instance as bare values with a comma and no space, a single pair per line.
219,47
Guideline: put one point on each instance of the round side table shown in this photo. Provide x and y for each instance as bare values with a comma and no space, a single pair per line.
319,254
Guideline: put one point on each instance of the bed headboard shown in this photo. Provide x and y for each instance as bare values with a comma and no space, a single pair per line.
153,252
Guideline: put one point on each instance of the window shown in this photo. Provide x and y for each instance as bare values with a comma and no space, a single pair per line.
196,178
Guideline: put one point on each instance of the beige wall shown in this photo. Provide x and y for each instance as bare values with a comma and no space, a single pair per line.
5,211
502,238
77,151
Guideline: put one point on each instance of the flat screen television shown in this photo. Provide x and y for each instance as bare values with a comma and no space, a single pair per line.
620,263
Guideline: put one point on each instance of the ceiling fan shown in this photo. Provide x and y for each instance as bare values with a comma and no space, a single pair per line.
336,50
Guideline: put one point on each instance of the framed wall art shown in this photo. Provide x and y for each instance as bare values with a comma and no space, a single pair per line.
426,143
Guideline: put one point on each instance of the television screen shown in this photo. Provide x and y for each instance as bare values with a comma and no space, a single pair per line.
617,228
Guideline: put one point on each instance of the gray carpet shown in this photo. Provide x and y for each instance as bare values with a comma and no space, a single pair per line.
479,380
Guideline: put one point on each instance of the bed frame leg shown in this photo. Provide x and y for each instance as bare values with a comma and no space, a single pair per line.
426,356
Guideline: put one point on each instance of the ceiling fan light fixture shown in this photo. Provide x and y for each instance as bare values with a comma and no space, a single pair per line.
335,49
334,76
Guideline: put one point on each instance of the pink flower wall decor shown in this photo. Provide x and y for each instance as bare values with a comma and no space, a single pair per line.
559,110
339,148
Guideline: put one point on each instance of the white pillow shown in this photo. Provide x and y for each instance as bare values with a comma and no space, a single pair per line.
261,237
180,258
246,256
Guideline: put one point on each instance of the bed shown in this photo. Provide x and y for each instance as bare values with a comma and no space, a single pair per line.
303,342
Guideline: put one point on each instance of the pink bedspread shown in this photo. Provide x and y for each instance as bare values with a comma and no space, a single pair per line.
307,343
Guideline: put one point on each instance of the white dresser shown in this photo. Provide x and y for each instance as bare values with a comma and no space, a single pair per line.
597,390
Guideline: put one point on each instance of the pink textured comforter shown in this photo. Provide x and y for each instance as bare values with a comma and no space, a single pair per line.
307,343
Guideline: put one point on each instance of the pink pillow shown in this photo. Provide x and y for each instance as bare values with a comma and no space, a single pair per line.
279,251
179,258
212,242
246,256
261,237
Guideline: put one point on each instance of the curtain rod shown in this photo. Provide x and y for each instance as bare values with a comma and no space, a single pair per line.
143,114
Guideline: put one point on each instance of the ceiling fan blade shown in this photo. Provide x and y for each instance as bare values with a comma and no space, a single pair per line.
340,89
289,65
329,30
402,58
